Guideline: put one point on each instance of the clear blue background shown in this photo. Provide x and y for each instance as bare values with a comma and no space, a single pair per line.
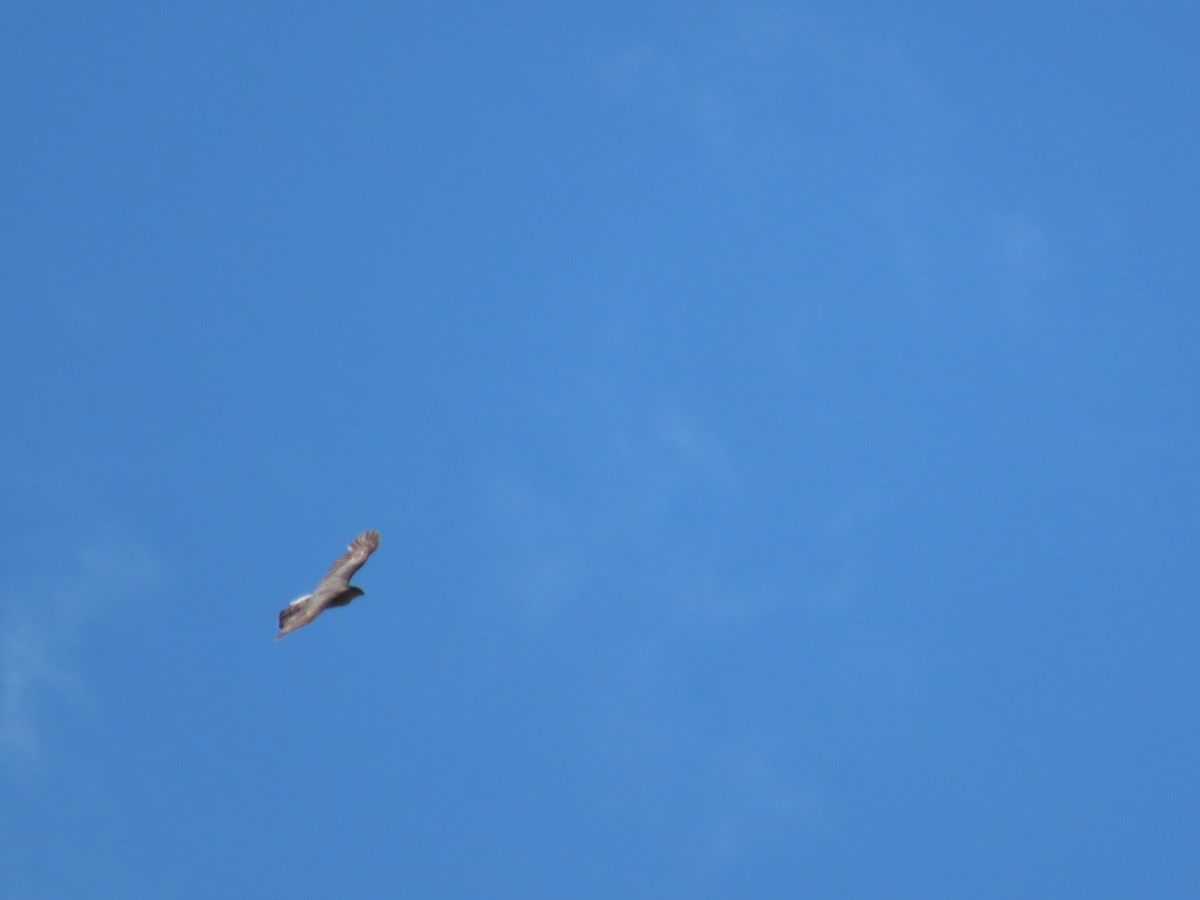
781,421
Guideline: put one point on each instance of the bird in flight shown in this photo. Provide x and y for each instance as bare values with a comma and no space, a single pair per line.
334,589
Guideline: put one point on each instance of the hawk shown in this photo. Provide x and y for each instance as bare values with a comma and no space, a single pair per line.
334,589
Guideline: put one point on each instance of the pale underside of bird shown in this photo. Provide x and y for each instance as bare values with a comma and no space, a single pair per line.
333,590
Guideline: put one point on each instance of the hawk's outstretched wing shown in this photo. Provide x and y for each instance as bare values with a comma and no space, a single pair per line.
348,563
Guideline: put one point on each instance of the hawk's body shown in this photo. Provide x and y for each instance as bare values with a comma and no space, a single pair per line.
334,589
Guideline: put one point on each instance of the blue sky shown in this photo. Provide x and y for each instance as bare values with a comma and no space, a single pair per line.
779,418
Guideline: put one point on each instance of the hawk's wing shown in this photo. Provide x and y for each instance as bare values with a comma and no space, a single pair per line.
344,567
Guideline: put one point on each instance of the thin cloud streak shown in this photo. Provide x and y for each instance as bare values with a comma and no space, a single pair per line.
42,622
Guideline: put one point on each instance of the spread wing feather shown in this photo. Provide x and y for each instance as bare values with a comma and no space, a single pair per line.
351,561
